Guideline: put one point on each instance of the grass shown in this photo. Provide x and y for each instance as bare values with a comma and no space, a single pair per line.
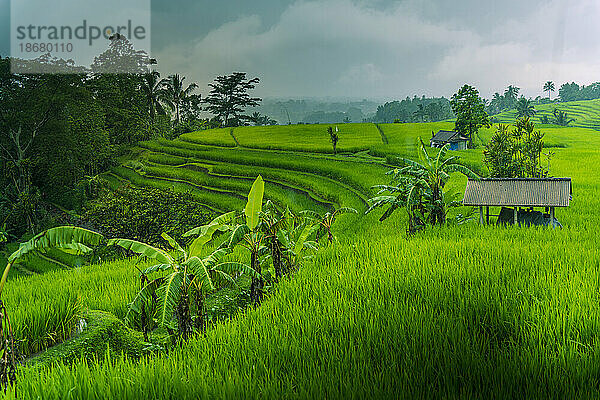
457,311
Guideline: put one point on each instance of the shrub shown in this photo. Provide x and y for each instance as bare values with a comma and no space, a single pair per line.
145,213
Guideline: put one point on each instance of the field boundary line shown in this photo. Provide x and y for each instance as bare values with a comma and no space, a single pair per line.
234,138
317,197
384,138
363,196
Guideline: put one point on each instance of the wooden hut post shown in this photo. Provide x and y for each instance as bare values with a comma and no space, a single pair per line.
487,214
516,216
552,217
481,215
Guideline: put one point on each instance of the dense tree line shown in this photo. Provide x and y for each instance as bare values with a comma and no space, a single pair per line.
510,98
572,92
417,109
59,131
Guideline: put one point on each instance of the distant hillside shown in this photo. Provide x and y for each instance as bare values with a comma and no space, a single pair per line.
586,113
316,111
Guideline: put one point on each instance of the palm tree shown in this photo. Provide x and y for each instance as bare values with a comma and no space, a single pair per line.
549,87
496,104
419,187
176,96
510,95
525,108
154,92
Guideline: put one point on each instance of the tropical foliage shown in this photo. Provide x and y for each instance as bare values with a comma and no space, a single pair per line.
516,152
333,138
418,187
561,118
525,108
470,113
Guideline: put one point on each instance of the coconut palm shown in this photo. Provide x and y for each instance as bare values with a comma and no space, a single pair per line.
510,96
154,92
419,187
496,104
549,87
525,108
176,96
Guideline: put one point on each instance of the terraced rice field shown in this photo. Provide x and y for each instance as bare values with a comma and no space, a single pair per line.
453,312
219,176
586,113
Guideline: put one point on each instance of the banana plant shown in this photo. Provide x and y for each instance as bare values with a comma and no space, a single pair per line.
295,241
250,236
325,222
70,239
273,221
182,276
419,187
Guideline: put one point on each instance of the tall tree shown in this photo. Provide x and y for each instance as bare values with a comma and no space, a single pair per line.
420,113
177,96
549,87
470,113
510,96
155,94
229,98
525,108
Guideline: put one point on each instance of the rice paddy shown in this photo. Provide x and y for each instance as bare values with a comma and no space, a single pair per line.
586,113
460,311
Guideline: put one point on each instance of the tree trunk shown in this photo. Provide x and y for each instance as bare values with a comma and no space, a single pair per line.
257,284
276,256
200,324
184,320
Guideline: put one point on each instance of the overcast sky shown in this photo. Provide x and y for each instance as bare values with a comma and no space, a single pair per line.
376,49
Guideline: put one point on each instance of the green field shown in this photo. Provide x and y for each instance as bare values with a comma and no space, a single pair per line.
310,138
456,311
586,113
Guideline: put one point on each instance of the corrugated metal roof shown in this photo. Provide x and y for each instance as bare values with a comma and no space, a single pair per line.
521,192
448,137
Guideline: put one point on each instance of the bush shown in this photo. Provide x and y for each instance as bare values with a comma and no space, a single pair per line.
145,213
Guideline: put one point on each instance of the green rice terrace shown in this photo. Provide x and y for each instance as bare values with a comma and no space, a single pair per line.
459,310
584,114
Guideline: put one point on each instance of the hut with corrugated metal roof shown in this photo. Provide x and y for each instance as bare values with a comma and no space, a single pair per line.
454,139
518,197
